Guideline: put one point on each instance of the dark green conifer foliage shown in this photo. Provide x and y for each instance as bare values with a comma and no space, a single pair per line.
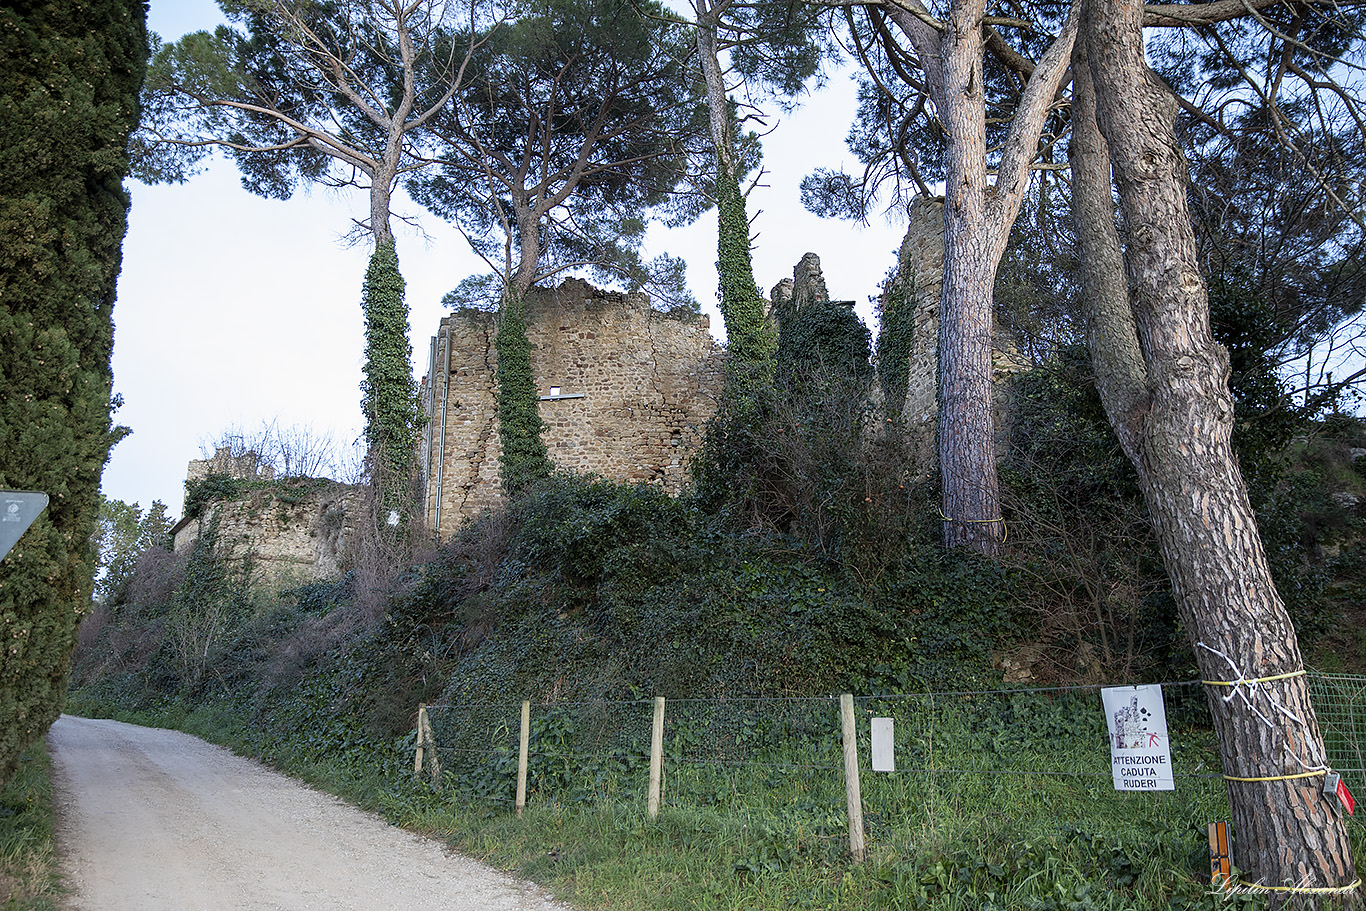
389,399
525,459
68,101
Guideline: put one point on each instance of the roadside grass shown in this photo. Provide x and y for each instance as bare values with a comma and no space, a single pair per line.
770,834
28,863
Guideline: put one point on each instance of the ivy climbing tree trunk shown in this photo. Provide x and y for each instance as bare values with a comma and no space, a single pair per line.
1164,384
750,339
389,399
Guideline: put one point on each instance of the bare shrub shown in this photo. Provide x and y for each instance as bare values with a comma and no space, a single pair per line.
473,558
1078,534
107,646
823,464
297,451
387,542
159,572
310,641
1091,580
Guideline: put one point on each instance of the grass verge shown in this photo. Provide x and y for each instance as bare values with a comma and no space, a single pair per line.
28,863
750,839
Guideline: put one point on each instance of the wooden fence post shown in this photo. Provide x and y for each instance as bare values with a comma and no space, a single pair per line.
425,742
421,729
851,785
656,758
523,741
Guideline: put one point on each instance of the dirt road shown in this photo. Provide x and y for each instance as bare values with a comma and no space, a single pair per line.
153,820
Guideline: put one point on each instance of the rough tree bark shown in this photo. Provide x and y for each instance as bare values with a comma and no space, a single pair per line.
978,215
1164,383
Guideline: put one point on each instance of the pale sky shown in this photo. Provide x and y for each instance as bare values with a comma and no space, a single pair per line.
233,310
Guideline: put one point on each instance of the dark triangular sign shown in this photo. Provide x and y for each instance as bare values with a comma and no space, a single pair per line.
18,509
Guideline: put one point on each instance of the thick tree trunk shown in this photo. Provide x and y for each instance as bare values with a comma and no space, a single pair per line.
718,105
1164,382
381,196
977,221
967,441
750,338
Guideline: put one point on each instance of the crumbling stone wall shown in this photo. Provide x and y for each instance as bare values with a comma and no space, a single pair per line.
292,531
625,392
246,466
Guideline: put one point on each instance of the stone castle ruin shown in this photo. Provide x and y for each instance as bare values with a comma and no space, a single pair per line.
289,531
625,391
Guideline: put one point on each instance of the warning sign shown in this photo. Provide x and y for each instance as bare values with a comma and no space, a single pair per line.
1140,752
18,509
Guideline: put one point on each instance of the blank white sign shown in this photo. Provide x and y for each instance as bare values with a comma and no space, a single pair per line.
883,750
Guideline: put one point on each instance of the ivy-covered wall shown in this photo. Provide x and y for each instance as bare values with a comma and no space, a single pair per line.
293,531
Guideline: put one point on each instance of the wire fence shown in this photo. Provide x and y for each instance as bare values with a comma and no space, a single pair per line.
1340,703
1042,752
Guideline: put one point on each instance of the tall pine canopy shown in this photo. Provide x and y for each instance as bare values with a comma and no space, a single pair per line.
68,102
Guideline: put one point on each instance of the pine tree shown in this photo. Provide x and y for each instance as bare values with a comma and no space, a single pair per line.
68,101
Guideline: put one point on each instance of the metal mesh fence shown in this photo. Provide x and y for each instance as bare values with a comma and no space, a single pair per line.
577,751
1021,752
1340,703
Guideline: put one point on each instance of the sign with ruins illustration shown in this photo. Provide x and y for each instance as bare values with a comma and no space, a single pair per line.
1140,751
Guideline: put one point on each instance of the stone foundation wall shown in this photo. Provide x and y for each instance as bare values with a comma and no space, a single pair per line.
625,392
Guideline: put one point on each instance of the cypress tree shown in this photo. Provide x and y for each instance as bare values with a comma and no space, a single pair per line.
68,102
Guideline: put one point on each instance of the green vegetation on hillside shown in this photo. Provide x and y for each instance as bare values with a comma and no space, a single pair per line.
747,612
804,563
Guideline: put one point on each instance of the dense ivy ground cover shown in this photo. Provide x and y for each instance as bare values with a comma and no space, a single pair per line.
755,834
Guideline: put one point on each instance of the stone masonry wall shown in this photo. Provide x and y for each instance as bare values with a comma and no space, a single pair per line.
625,392
293,533
245,466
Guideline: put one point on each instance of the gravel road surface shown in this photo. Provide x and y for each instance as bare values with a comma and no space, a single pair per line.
154,820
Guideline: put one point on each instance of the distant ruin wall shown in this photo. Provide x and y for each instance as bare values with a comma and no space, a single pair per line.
625,392
292,532
246,466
